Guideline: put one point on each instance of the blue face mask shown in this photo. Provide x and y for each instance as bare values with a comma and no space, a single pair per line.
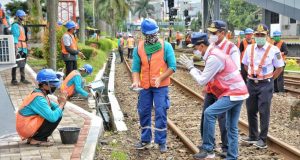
260,40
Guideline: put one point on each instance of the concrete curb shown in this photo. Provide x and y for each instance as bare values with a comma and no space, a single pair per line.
92,124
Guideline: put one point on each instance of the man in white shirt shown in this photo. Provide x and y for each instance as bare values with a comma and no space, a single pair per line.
259,60
227,85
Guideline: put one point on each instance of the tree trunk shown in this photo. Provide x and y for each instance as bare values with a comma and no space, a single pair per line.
52,10
82,21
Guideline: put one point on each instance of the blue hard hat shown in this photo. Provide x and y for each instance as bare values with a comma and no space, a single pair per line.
48,75
276,33
217,25
197,38
242,33
70,25
248,31
149,26
88,68
20,13
59,23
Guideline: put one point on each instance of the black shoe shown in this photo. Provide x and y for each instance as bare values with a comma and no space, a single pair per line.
142,145
261,144
249,140
14,82
204,154
25,81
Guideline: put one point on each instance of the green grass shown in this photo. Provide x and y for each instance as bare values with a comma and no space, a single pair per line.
292,68
119,155
37,63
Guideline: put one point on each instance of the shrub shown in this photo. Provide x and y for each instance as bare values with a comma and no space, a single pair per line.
37,52
291,63
87,51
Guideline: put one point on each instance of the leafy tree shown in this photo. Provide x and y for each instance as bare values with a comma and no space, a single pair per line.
143,8
14,5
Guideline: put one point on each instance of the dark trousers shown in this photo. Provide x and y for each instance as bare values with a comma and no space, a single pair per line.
129,55
244,73
45,130
259,101
208,101
22,70
120,49
279,83
70,66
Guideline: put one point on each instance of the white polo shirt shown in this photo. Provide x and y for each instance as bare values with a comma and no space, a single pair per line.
273,59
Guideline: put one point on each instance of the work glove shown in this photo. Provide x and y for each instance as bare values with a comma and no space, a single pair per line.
186,61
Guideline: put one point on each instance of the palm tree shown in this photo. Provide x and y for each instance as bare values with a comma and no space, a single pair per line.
143,8
112,12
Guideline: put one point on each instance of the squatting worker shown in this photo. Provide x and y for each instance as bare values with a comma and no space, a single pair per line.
278,42
227,85
259,60
153,64
217,37
38,116
243,45
18,32
69,48
73,83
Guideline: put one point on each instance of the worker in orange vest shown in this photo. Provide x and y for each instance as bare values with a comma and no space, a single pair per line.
279,82
73,83
69,48
3,21
38,116
240,39
153,64
130,45
19,34
243,45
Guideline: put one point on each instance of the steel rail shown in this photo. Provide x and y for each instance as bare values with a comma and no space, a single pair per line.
289,152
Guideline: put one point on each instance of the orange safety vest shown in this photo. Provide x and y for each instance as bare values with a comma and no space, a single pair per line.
245,44
258,73
73,44
22,38
69,89
152,68
27,126
3,19
130,42
227,82
279,45
227,52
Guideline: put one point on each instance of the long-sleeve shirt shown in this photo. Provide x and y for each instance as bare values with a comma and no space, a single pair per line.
77,81
168,57
40,106
234,53
15,31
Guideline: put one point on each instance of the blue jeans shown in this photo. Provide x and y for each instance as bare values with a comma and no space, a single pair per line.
145,103
232,109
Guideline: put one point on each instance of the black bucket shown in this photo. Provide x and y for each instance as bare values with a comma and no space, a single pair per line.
69,135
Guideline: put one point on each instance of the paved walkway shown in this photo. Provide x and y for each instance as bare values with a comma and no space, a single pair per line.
12,147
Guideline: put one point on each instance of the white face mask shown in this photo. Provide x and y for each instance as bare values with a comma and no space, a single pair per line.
213,39
197,53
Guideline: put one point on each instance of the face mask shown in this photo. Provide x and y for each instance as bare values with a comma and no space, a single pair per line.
51,91
260,40
276,39
213,39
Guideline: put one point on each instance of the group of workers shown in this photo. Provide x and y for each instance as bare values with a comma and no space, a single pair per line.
130,43
226,89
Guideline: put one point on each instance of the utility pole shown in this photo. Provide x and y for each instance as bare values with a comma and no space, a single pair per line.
51,16
81,21
94,21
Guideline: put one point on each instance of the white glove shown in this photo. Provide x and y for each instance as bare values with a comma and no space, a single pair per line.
187,62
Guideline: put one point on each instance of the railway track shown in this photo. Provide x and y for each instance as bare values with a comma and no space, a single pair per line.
287,151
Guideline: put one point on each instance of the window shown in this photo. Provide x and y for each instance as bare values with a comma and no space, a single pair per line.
292,20
274,17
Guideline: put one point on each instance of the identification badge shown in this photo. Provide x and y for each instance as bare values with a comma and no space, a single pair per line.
264,69
255,81
278,55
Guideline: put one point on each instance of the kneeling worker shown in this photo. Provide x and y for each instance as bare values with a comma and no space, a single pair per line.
38,116
74,84
227,85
